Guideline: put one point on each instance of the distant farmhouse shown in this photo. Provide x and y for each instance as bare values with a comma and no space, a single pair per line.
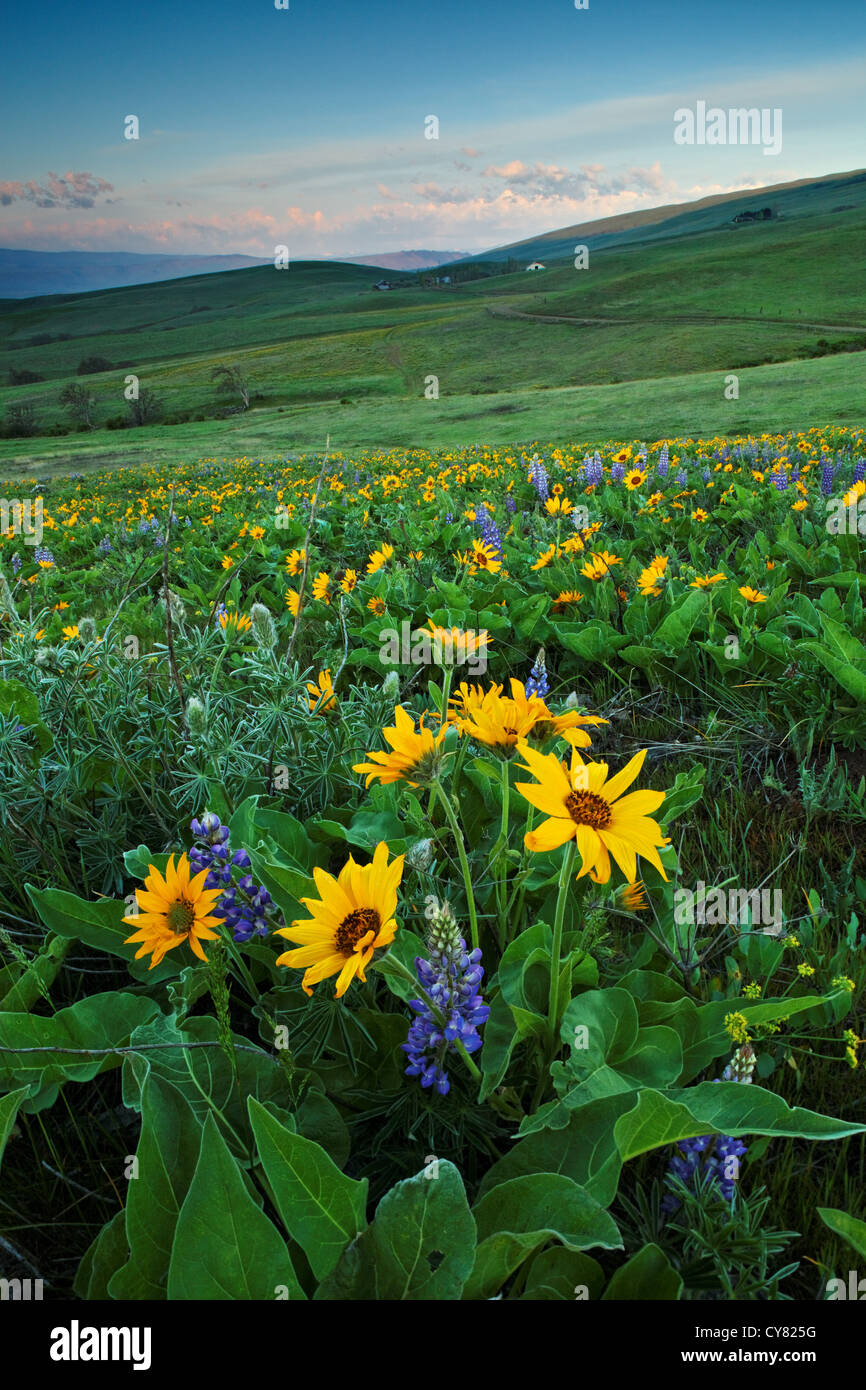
536,265
763,215
382,285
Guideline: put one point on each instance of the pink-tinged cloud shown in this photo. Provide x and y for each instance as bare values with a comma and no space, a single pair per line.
74,190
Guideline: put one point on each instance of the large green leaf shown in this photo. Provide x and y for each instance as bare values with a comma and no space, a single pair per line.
583,1149
225,1248
848,1227
648,1276
718,1108
516,1218
8,1113
420,1246
566,1275
99,1021
100,925
167,1154
204,1075
101,1261
610,1052
320,1207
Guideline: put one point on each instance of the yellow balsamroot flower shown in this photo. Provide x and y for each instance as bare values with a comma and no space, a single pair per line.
176,908
295,561
799,506
632,896
501,722
545,558
565,598
70,632
557,506
599,565
454,645
752,595
322,695
652,577
415,757
378,607
484,557
322,587
583,805
256,532
227,562
379,558
350,920
293,600
706,581
234,624
634,479
699,514
349,580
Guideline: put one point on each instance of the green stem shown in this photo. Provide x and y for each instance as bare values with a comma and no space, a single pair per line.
461,854
556,956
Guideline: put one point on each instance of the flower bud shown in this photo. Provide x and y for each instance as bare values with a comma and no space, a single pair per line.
196,716
264,628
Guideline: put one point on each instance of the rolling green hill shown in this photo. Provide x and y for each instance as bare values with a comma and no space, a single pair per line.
656,318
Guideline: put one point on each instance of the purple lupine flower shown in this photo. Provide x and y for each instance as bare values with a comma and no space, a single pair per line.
16,562
450,979
859,472
706,475
663,463
617,472
43,553
538,478
780,479
594,470
538,684
682,477
490,531
711,1154
104,546
242,905
827,479
510,504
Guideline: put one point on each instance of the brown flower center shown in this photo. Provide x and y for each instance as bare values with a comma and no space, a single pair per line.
588,808
353,927
181,916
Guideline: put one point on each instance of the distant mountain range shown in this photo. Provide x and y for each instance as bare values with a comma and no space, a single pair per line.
27,273
24,274
406,260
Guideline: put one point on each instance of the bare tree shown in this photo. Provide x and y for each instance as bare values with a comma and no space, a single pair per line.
79,402
234,380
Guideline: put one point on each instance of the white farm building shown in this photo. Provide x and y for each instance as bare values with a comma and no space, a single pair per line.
536,265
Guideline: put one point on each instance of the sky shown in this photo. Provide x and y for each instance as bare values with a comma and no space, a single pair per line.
309,126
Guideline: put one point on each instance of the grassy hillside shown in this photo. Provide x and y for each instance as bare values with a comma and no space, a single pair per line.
655,325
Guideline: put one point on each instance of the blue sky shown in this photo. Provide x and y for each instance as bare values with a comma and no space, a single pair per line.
306,126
